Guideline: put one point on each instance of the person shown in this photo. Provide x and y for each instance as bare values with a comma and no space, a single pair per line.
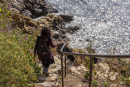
48,58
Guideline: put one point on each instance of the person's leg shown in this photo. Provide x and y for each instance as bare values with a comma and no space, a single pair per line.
44,65
47,66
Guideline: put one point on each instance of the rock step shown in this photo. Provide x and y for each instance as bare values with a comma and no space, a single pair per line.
76,69
54,68
47,84
50,78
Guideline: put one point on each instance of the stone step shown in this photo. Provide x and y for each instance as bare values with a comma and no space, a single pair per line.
50,78
54,70
47,84
77,68
81,67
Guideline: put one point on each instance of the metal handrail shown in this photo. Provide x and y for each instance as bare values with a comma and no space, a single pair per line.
91,63
93,55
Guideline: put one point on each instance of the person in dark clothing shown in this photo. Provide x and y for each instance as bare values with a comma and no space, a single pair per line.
71,57
48,58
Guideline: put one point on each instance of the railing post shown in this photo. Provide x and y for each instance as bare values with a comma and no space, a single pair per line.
90,73
62,69
65,62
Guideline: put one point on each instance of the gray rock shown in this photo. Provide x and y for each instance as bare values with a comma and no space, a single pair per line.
56,36
63,36
72,29
41,2
66,18
49,9
39,7
36,11
36,6
18,6
27,13
75,28
59,39
29,6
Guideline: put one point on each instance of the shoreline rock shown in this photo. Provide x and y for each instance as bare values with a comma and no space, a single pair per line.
66,18
28,9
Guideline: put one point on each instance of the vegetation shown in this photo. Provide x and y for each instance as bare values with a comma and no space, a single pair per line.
116,65
18,68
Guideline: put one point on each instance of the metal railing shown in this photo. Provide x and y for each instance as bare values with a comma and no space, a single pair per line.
91,63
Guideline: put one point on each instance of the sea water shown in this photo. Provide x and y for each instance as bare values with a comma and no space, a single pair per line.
106,23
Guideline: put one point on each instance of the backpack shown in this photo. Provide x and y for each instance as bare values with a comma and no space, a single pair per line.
42,45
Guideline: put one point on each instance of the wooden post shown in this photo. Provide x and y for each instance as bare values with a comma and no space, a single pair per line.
65,62
90,73
62,69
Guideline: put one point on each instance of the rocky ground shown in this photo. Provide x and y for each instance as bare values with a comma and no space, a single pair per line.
52,79
55,79
26,11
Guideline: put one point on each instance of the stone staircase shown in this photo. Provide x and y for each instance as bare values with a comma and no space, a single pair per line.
52,80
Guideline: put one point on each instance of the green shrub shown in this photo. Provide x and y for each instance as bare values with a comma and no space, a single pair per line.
94,81
15,65
106,84
86,74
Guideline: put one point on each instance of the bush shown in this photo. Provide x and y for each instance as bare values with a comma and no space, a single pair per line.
15,66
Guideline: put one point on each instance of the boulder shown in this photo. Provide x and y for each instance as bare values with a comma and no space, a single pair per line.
49,9
27,13
18,6
36,6
29,1
113,76
56,36
16,16
45,20
38,2
66,18
56,19
25,22
36,12
41,2
73,29
29,6
49,20
14,10
30,21
39,7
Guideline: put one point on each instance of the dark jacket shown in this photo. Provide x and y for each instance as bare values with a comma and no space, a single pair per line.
45,56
